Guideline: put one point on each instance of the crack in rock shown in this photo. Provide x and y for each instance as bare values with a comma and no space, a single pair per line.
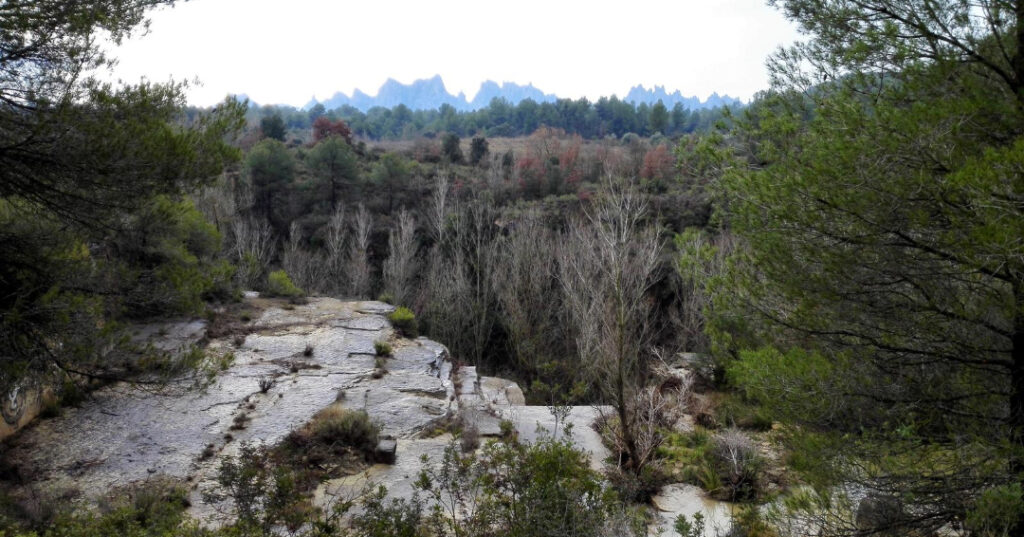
215,405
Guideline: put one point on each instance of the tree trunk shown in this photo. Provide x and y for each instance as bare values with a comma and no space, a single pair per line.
624,426
334,194
1018,58
1016,418
620,395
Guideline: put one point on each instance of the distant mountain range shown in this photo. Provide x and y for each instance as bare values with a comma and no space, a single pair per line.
430,93
639,94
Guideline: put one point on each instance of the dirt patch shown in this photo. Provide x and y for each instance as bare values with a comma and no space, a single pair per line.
238,319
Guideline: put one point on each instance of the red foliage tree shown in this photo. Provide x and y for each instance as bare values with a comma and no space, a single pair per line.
659,163
569,160
323,127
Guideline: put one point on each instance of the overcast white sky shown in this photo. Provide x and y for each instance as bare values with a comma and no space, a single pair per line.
286,52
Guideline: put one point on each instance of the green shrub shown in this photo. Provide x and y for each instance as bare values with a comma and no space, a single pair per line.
997,510
508,430
72,393
544,489
383,517
220,281
279,284
637,488
733,411
726,464
382,348
224,361
748,521
685,528
738,464
264,494
404,320
152,509
341,427
168,262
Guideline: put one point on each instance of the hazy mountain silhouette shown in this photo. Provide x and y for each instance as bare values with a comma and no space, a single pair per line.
430,93
639,94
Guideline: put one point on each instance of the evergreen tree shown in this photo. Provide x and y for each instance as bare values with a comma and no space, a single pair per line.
392,174
270,167
477,150
84,164
658,121
336,162
273,127
881,287
450,148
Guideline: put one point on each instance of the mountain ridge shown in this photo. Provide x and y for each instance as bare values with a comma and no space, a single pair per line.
431,93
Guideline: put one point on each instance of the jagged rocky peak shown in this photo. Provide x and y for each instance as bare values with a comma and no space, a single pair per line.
431,93
641,95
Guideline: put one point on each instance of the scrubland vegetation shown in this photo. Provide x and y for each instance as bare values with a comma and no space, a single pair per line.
840,262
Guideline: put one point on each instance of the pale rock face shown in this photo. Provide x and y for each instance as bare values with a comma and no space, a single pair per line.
682,499
125,434
398,477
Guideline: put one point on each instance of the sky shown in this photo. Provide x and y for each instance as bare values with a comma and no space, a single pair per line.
287,52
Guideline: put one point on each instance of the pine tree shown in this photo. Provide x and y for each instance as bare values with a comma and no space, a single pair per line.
879,299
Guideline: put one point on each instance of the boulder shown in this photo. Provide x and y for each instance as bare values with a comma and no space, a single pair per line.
386,451
880,513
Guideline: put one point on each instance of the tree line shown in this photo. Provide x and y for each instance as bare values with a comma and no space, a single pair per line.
608,116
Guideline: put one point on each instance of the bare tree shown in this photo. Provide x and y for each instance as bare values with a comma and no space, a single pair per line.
495,171
337,236
525,281
218,203
447,292
458,298
253,248
245,195
400,266
358,262
307,269
439,209
291,259
474,241
607,267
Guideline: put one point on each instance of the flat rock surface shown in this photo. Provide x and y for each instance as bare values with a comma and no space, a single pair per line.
125,434
307,357
535,422
683,499
500,392
398,477
170,336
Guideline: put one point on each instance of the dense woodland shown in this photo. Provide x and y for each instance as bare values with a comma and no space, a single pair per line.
843,255
608,116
